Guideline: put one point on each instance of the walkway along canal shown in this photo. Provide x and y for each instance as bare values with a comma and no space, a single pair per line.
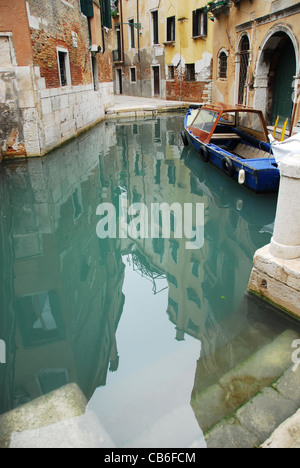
164,345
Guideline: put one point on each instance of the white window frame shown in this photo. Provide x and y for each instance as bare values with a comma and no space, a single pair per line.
152,27
67,66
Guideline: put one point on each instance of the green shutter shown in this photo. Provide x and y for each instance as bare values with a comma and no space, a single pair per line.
106,13
87,8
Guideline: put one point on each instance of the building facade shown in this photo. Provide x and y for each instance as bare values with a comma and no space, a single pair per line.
55,71
256,56
163,49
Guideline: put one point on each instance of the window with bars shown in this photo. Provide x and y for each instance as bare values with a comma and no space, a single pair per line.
223,65
244,64
64,67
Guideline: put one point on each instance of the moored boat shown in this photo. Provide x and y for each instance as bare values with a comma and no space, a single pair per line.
234,139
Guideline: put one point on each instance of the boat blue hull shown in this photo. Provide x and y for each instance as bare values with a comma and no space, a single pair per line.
261,175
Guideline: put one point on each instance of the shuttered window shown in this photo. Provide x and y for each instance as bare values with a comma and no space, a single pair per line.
87,8
105,7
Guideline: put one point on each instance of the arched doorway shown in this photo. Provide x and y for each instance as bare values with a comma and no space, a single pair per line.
275,73
283,71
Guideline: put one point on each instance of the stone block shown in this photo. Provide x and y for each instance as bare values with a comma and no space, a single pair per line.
286,436
288,385
265,412
230,434
46,106
63,404
264,367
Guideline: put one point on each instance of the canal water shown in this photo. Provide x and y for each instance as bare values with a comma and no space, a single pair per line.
143,326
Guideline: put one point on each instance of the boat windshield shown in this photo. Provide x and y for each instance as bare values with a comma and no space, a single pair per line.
205,120
251,122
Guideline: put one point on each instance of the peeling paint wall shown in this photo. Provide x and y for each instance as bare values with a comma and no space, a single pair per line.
11,122
151,60
41,108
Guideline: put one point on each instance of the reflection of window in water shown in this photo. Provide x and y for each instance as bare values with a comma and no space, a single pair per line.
157,132
52,379
193,327
77,204
172,175
40,319
171,138
172,280
135,130
174,247
195,266
193,296
137,165
173,305
157,172
45,319
159,247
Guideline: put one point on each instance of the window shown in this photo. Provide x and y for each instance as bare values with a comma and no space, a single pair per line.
223,65
131,34
64,67
133,75
155,27
190,72
87,8
244,64
171,29
199,23
171,72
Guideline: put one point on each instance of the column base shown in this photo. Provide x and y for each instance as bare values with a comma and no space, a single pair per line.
284,251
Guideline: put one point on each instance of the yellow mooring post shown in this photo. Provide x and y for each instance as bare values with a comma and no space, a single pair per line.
284,129
275,128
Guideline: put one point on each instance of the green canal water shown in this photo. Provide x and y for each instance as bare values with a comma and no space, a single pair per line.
143,326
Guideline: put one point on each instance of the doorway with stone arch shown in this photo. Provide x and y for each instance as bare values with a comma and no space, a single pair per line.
275,75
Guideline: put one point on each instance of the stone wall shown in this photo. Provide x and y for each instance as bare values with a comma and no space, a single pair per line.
39,110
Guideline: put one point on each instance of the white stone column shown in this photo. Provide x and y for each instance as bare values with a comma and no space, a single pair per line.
285,243
276,271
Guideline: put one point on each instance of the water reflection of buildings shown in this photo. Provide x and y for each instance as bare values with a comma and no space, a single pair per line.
63,299
207,285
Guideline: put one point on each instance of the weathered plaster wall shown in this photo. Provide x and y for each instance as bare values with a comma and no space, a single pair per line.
260,21
184,50
37,112
11,117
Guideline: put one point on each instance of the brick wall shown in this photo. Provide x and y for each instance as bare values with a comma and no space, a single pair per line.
191,91
59,23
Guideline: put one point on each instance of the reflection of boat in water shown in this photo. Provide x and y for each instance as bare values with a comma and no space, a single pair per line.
224,193
234,139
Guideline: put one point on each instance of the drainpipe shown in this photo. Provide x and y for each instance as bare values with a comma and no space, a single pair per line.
122,31
138,22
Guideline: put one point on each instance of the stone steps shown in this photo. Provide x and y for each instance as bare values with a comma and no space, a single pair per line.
250,401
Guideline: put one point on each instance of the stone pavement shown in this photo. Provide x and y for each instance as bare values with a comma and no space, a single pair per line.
130,106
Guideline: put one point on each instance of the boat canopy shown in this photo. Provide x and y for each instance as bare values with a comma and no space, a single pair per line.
245,119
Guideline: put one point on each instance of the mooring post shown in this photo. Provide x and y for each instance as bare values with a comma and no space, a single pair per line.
285,243
276,272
